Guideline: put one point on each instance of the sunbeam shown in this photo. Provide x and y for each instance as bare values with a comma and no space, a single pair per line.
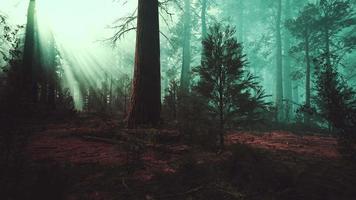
80,30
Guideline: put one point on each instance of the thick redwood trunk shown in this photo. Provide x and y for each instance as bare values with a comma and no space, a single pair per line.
146,96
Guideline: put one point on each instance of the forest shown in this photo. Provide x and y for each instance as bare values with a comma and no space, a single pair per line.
178,99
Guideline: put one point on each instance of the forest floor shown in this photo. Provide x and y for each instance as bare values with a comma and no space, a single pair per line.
92,158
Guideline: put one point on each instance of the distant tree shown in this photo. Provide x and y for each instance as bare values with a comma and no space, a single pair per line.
224,81
204,8
279,64
303,28
333,17
318,27
287,80
186,59
146,96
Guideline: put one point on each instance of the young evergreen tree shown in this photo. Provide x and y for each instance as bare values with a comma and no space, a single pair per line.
335,99
224,81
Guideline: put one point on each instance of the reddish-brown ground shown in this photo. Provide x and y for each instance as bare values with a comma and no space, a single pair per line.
319,146
62,145
65,144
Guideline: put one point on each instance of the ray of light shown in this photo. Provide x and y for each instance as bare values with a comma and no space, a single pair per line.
78,28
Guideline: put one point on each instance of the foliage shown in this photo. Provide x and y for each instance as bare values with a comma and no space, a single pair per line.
9,49
304,24
233,95
320,29
232,92
335,99
10,63
336,103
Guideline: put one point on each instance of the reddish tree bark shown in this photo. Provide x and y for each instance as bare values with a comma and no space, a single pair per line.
146,95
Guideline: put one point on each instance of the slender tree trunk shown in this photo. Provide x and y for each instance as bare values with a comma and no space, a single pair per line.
240,24
221,106
185,74
279,72
110,93
146,95
203,18
166,77
327,47
295,92
221,119
288,90
307,79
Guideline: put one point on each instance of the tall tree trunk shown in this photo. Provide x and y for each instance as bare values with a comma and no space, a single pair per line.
221,110
146,96
327,46
185,74
203,19
240,22
295,92
307,79
279,72
288,90
165,64
29,85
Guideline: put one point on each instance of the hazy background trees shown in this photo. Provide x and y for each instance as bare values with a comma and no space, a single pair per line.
284,42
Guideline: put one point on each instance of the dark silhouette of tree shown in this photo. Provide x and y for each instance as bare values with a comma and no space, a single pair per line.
287,86
186,60
333,17
335,99
146,96
28,81
303,28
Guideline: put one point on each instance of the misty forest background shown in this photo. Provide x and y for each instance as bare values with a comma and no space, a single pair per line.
202,68
299,55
